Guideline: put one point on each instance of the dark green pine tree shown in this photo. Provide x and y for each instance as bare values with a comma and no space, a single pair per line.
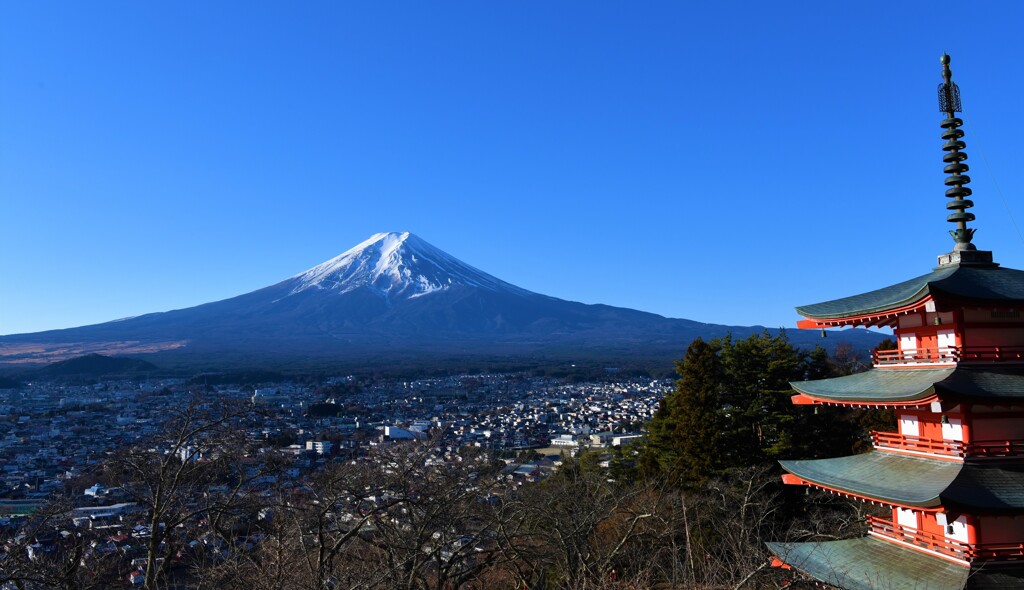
869,420
817,365
732,408
822,431
685,432
761,424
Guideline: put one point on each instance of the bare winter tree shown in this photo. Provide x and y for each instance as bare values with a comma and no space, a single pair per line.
190,481
576,530
438,527
406,517
47,551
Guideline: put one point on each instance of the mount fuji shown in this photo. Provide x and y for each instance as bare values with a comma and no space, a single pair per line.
398,266
394,297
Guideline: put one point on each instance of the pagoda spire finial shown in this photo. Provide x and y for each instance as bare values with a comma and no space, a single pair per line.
949,103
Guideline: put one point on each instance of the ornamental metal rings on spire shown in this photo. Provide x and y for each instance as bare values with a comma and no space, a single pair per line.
949,103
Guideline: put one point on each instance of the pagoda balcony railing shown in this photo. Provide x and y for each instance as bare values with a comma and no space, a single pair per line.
930,541
952,448
995,448
949,355
916,356
917,444
881,527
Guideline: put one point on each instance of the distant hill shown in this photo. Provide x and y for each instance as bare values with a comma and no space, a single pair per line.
393,301
95,366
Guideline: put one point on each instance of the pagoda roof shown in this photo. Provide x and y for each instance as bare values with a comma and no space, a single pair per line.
992,487
974,282
883,386
892,478
868,563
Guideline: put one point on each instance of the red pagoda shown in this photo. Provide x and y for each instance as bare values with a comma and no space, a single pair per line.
952,479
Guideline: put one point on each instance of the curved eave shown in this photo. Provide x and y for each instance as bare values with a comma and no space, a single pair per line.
881,317
885,477
868,563
902,387
806,400
929,484
979,284
874,387
988,487
889,299
980,384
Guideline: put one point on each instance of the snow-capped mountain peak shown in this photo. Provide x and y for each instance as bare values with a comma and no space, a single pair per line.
399,265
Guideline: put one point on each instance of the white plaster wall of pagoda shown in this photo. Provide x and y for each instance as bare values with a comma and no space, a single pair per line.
907,518
946,339
953,430
956,530
909,425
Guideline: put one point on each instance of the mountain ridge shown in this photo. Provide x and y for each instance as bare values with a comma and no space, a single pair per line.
393,294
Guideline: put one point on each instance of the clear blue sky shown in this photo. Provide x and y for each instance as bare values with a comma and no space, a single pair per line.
720,161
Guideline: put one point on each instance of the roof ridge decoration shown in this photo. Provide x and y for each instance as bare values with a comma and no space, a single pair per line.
949,103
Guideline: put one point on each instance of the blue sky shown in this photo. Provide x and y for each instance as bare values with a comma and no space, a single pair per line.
722,161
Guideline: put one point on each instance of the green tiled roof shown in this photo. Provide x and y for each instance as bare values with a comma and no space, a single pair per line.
1001,577
988,283
876,385
991,487
996,486
896,295
903,385
983,382
870,564
889,477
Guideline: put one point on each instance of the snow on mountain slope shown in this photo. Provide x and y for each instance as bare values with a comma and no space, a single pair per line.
398,265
